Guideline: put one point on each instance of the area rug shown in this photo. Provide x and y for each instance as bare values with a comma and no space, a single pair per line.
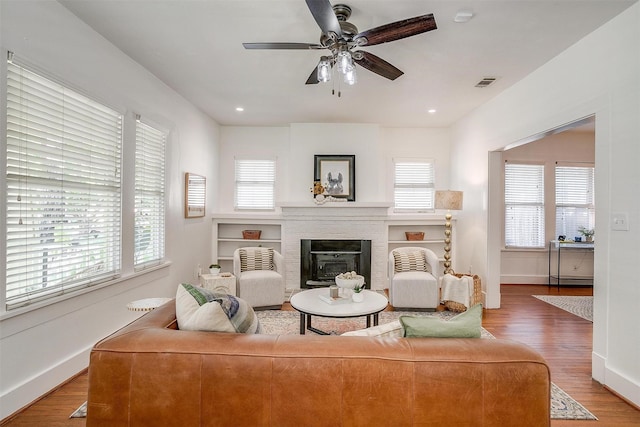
581,306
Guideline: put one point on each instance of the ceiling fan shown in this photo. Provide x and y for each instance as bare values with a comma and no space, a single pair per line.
342,39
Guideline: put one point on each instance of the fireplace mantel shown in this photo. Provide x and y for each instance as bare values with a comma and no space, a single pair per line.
342,210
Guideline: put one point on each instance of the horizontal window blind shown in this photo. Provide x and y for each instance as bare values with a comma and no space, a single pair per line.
149,184
63,189
575,206
414,186
255,184
524,205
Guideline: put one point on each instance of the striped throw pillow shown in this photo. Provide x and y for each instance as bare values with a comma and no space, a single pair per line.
410,260
256,259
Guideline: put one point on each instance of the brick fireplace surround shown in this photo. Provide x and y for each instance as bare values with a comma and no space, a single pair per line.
337,220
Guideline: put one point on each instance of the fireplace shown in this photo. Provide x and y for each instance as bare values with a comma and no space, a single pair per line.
322,260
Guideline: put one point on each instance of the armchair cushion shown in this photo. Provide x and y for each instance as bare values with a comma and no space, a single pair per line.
409,260
464,325
256,259
199,309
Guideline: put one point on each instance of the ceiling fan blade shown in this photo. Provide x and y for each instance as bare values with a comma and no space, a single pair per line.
397,30
313,77
283,45
325,16
376,64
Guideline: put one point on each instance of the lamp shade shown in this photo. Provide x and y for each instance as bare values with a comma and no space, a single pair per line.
451,200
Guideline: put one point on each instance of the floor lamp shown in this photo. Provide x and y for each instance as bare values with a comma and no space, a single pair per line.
451,201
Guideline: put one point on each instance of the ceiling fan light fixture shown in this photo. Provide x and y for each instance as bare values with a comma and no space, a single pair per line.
350,77
344,61
324,70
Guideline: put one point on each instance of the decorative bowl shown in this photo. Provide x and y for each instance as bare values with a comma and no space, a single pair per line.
349,283
414,235
251,234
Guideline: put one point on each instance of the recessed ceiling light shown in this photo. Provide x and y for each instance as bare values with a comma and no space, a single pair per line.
431,111
239,109
463,15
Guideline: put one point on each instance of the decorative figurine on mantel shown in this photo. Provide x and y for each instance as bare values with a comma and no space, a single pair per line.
319,194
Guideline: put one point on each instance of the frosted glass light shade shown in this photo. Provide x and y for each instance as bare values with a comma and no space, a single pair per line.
324,71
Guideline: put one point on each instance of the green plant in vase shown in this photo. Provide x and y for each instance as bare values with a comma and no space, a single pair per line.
587,233
358,296
214,269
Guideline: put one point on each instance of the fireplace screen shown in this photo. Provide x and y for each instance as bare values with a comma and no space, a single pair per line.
322,260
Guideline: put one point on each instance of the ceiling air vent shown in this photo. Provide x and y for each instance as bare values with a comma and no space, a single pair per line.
486,81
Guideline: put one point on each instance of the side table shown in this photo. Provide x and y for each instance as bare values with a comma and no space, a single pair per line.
219,283
147,304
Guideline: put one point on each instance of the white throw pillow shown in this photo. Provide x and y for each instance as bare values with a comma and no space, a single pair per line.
409,260
388,330
198,309
256,259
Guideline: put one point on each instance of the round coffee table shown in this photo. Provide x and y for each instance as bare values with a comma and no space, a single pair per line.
309,303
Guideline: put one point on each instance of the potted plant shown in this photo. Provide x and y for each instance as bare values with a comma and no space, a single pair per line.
587,233
358,296
214,269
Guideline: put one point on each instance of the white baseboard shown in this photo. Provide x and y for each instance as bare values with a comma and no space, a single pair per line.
622,386
12,401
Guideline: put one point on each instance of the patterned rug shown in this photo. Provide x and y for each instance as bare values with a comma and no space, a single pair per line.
581,306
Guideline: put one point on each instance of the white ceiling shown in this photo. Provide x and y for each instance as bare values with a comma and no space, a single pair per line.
195,47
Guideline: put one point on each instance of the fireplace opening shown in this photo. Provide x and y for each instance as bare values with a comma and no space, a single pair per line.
322,260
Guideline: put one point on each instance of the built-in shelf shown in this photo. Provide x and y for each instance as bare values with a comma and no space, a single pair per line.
227,236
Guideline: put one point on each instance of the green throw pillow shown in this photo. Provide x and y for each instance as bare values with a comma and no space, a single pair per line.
465,325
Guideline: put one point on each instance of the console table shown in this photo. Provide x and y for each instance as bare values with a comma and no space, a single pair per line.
557,247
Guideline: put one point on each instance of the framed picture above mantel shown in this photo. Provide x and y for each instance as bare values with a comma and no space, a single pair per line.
337,173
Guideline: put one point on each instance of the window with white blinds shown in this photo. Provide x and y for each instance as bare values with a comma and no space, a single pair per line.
524,205
413,188
255,184
149,223
63,189
575,207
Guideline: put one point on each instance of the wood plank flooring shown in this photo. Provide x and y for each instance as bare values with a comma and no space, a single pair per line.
563,339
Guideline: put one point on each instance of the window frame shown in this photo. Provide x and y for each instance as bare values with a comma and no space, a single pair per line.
153,189
536,205
60,130
414,185
255,188
587,208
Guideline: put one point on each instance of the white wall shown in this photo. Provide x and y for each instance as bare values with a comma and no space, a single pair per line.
294,147
598,75
40,347
532,265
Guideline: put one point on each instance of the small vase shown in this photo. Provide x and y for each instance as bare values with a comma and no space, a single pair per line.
214,271
589,239
357,297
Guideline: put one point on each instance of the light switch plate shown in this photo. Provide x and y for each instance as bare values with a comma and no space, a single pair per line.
620,221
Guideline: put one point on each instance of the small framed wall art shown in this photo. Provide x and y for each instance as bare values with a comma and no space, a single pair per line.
337,173
195,194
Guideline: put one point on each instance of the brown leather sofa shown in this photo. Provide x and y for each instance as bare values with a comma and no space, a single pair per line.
151,374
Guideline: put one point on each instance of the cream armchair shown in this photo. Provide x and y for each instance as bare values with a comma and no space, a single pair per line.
259,276
413,278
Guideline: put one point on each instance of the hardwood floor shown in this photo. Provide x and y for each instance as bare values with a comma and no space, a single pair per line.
562,338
